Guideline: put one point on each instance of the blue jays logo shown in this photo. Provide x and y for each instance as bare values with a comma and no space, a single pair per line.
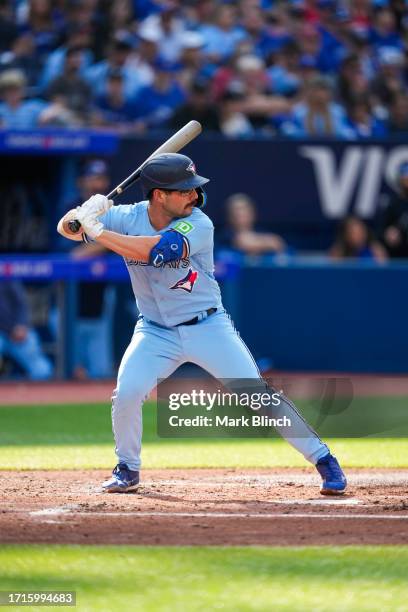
191,168
187,283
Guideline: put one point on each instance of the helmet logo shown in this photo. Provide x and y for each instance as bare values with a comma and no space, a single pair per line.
191,168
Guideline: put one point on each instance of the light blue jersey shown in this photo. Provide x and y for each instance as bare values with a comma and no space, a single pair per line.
177,291
168,296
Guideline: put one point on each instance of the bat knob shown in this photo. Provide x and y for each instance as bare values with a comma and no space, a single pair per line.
74,226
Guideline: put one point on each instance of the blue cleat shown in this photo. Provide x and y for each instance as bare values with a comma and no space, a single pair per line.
334,481
122,480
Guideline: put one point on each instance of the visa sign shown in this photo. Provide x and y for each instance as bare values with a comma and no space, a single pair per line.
357,176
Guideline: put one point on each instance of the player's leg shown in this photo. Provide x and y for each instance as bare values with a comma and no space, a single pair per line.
231,359
153,353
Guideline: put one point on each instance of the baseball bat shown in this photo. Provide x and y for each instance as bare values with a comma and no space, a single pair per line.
176,142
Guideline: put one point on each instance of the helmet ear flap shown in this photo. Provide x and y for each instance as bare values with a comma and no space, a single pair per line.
202,197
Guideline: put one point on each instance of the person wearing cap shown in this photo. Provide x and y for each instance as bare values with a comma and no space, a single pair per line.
394,222
167,243
16,112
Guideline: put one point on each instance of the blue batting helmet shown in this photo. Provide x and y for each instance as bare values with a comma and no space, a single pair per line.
172,171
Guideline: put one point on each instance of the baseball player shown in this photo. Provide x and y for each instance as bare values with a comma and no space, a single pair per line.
167,243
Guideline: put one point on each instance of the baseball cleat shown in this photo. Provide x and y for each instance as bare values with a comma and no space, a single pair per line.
334,481
122,480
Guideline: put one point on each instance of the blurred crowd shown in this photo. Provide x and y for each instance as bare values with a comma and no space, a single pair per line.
294,68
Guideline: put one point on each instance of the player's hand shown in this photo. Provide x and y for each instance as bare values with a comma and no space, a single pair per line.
90,224
97,205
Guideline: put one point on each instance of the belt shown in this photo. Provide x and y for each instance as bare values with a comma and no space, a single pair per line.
200,317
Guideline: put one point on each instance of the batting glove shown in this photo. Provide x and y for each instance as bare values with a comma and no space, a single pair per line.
97,205
90,224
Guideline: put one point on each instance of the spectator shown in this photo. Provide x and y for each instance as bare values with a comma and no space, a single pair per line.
22,56
192,60
362,121
384,33
156,103
198,107
15,112
241,233
284,75
264,35
113,108
71,89
77,37
317,115
118,58
269,31
222,36
8,27
351,82
390,81
257,104
91,18
356,240
310,43
394,222
398,117
121,15
167,26
46,25
93,332
233,122
333,40
18,340
360,15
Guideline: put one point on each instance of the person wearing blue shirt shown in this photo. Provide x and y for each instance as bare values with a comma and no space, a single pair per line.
18,340
167,242
156,103
317,115
113,107
15,112
118,55
222,37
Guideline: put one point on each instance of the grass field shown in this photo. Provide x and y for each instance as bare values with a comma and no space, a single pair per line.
79,436
201,578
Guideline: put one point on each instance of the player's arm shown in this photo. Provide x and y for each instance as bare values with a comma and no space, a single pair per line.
154,250
131,247
149,249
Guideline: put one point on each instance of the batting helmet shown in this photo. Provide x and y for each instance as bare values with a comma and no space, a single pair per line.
172,171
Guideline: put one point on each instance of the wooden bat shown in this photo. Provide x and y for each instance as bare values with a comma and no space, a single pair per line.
176,142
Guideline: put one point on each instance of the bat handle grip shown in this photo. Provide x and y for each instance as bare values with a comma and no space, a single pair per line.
74,226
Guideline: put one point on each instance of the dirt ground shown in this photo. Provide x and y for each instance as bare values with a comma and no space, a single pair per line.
204,507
